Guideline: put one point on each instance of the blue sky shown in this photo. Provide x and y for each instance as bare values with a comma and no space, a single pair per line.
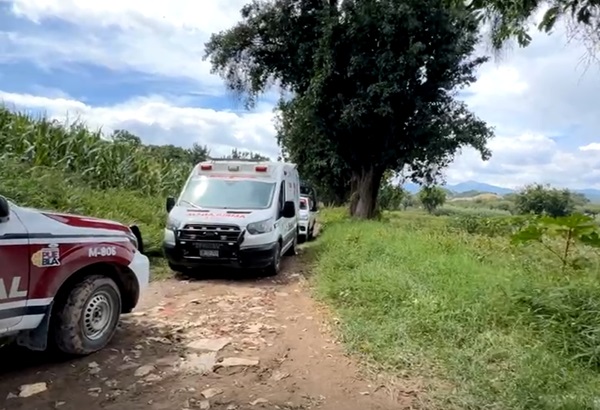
138,65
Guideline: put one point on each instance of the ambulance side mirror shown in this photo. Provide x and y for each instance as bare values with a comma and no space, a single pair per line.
289,209
170,203
4,210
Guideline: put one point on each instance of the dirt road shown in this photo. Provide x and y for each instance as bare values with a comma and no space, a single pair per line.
207,344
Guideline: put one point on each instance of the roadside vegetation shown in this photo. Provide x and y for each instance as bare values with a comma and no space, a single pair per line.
486,321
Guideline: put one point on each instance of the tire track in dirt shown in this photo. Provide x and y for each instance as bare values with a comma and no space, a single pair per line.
207,344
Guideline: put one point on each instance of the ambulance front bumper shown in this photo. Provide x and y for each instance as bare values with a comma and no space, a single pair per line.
224,255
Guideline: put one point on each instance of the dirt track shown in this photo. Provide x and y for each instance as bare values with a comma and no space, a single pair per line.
187,338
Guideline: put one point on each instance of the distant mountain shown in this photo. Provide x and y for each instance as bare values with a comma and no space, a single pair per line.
481,187
464,187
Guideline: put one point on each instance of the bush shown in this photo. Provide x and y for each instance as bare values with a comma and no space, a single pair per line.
543,200
494,226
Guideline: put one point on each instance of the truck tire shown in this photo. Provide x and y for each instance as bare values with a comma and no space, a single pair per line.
88,319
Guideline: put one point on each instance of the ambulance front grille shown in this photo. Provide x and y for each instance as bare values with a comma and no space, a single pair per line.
209,233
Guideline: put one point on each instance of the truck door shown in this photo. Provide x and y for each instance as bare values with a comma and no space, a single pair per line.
14,271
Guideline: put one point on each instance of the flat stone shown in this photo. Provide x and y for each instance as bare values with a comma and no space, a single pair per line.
203,363
211,392
211,345
28,390
144,370
259,401
279,375
238,361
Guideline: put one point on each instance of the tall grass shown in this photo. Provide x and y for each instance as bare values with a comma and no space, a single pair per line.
51,189
490,326
74,149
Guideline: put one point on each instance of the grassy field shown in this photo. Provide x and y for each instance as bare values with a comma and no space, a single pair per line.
488,324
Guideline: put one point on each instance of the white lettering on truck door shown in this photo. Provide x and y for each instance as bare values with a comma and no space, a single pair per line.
13,291
102,251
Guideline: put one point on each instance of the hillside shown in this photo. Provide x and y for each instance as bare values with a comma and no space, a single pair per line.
476,188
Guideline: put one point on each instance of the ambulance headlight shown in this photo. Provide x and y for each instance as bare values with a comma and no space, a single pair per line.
171,231
172,225
260,227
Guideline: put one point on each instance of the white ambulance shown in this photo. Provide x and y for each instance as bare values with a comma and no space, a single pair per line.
234,213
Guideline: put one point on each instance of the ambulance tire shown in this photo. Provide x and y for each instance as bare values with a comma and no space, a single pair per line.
275,266
177,268
88,318
293,250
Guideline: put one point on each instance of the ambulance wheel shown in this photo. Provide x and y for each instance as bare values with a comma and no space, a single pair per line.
275,266
293,250
88,318
176,268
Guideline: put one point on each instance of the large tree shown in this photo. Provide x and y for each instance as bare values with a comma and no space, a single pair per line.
373,82
317,160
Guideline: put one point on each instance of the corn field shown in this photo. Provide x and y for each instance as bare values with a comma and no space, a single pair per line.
99,162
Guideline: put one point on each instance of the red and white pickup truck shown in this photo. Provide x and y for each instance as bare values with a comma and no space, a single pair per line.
66,279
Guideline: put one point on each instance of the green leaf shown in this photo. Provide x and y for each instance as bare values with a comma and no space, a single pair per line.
527,234
591,239
549,19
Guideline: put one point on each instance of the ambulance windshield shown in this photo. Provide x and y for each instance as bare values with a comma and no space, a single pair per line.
228,193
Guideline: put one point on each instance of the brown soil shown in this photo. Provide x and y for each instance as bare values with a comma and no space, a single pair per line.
167,353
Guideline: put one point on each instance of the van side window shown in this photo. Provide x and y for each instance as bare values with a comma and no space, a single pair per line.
281,198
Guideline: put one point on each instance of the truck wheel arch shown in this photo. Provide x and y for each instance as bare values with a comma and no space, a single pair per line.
124,278
121,275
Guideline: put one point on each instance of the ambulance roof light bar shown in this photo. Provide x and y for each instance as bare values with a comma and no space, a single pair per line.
261,168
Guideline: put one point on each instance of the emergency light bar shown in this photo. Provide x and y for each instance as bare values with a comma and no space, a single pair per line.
260,168
206,167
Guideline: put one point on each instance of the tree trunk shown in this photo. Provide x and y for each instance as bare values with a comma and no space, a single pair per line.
364,203
353,193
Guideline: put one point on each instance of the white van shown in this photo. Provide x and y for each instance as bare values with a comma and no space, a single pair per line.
234,213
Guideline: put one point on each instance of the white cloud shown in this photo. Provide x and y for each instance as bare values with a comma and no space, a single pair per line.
594,146
158,38
523,159
159,121
541,100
